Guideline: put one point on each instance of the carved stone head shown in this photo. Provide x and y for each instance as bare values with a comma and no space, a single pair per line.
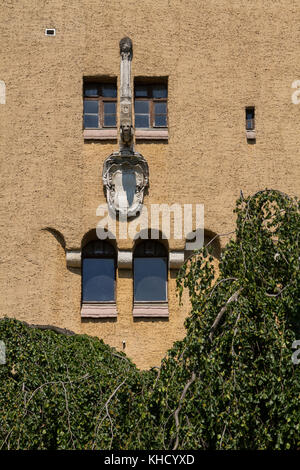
126,46
126,133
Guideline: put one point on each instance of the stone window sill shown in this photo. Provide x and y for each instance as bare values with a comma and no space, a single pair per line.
151,134
100,134
251,135
100,310
150,310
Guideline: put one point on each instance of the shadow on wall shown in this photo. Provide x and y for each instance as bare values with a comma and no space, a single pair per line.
61,240
57,235
212,240
153,234
91,235
52,282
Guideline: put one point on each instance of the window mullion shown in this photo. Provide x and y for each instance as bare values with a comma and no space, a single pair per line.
100,112
151,113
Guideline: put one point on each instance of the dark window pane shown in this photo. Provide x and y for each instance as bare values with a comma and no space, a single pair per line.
160,91
97,248
91,90
250,124
141,90
98,276
109,91
109,108
160,108
141,107
250,114
91,106
150,279
90,120
161,120
150,248
110,120
142,120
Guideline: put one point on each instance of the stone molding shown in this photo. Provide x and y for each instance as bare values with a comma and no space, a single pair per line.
176,259
100,134
124,259
151,134
73,258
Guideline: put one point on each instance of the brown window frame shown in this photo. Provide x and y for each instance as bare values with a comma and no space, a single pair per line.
152,102
101,100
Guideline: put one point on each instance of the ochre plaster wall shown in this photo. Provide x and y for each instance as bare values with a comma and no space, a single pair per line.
219,56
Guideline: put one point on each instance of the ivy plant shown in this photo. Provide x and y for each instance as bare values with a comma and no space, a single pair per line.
229,384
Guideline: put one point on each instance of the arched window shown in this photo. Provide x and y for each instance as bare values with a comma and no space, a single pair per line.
150,279
98,279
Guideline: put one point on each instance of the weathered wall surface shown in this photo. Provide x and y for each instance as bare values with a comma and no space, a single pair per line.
219,56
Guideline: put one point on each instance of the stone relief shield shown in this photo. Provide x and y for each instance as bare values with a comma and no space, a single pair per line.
125,179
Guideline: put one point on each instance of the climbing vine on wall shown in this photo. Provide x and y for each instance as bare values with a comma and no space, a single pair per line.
229,384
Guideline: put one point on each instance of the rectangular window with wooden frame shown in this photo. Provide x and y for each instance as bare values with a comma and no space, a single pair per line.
151,109
100,110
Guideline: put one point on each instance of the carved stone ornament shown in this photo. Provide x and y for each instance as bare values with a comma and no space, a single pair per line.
125,179
126,47
125,172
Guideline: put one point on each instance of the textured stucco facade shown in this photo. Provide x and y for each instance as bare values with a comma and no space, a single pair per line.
219,57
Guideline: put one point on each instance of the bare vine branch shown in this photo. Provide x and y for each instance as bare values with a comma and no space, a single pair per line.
177,411
233,298
106,410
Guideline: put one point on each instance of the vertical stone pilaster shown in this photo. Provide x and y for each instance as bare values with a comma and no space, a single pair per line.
126,128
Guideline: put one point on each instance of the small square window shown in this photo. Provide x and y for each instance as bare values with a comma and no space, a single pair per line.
99,105
50,32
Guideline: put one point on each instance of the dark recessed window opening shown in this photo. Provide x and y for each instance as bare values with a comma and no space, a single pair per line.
50,32
99,105
98,272
250,118
150,272
150,105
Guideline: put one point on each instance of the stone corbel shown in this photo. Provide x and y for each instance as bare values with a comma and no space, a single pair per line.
73,258
124,259
176,259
